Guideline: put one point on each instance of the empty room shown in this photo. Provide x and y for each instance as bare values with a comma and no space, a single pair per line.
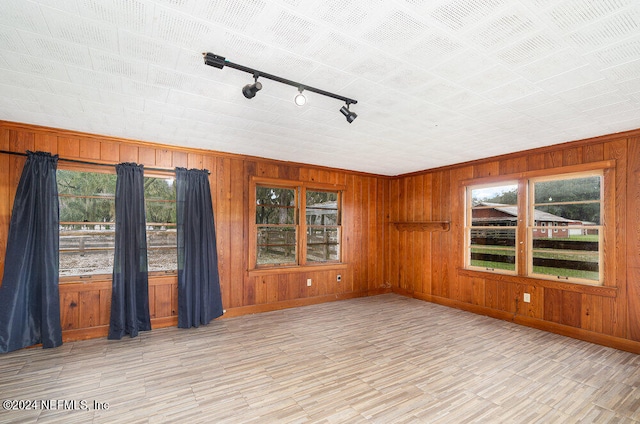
305,211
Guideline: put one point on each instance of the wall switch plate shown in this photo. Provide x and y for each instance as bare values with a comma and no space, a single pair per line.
308,282
339,278
527,298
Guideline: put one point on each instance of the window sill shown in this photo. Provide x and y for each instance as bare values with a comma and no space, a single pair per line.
603,291
296,269
99,278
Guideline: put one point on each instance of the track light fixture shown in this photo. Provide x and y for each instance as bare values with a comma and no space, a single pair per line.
347,114
300,99
250,90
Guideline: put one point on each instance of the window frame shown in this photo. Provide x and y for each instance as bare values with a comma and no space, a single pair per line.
530,225
110,169
525,237
300,188
468,227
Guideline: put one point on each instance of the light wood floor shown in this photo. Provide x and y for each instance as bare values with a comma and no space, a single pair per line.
383,359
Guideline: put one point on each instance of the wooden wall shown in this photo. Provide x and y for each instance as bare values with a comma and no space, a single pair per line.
424,262
85,305
429,264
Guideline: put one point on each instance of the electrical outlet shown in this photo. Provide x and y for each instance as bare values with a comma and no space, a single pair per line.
527,298
339,278
308,282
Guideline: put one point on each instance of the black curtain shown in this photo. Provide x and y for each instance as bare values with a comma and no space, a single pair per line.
199,299
29,296
130,285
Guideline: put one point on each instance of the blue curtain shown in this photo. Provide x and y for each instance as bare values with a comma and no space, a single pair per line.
130,285
29,296
199,299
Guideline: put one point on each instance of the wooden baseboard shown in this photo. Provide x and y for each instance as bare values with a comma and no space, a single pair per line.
103,330
268,307
552,327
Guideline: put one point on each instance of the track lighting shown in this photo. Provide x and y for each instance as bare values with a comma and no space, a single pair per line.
250,90
300,99
347,114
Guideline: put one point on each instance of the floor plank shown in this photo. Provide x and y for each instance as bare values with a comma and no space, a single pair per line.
382,359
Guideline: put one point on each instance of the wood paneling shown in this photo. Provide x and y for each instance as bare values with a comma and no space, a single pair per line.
612,310
377,256
633,238
86,305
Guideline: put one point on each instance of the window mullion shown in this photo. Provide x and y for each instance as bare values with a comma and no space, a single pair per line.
302,225
521,232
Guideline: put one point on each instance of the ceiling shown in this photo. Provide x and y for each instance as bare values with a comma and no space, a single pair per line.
437,82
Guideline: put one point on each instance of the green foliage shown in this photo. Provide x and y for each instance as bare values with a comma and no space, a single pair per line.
160,197
275,205
570,190
89,197
98,207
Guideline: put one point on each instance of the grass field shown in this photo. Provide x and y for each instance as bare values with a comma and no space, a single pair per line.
561,255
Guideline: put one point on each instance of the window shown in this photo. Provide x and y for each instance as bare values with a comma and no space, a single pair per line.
574,251
323,231
162,239
282,238
276,216
561,237
87,223
491,227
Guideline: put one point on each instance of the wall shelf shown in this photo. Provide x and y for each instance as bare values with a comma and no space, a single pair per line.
422,225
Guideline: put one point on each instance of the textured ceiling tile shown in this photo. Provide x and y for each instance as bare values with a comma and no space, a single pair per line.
606,101
134,15
610,30
354,15
462,65
502,29
119,66
183,30
589,90
569,80
511,91
12,91
82,31
625,72
238,48
617,54
20,79
552,65
22,14
489,79
373,66
287,30
437,81
394,31
148,49
573,14
34,65
529,49
99,107
58,50
335,49
126,100
432,48
458,14
144,90
75,90
235,14
10,39
96,79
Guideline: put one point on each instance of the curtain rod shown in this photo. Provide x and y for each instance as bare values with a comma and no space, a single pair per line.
85,162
